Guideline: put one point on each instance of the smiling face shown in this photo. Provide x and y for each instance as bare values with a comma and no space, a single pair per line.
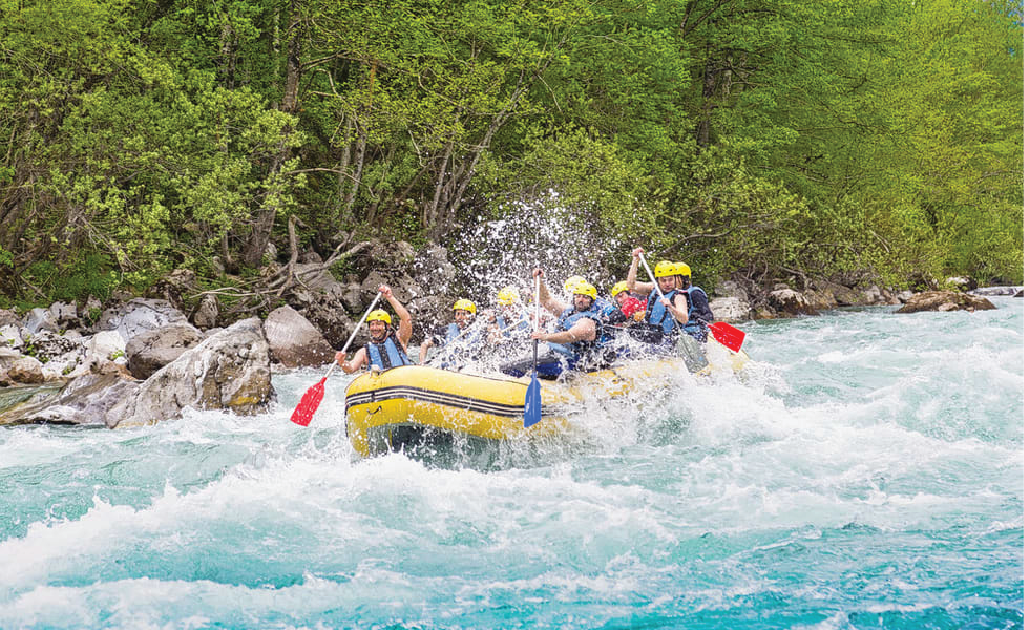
462,318
378,330
620,298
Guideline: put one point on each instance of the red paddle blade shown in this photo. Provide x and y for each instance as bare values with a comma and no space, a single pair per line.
304,411
727,335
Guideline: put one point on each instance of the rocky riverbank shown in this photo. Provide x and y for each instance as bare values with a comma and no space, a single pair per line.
139,360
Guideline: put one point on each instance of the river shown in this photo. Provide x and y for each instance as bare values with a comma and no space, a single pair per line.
865,472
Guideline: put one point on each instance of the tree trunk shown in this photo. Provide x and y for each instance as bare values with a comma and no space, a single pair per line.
264,225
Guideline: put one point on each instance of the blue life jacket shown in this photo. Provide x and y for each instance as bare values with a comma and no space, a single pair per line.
507,330
658,314
571,316
468,340
697,316
388,353
606,307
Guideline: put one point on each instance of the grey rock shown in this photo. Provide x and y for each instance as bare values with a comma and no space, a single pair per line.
790,303
317,279
352,298
730,309
9,318
65,314
944,301
149,351
205,316
10,336
997,291
28,370
139,315
229,370
85,400
731,288
40,319
48,345
294,341
103,346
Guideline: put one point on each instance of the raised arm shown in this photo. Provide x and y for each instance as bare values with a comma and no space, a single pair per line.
553,305
642,288
404,331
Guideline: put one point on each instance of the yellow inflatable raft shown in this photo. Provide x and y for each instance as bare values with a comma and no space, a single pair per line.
416,406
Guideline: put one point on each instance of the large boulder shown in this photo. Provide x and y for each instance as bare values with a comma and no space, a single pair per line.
228,370
85,400
820,300
946,301
66,314
730,309
28,370
10,336
326,312
139,315
839,294
877,296
149,351
104,346
294,341
788,302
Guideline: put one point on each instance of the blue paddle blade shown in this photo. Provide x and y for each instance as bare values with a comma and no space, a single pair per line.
531,413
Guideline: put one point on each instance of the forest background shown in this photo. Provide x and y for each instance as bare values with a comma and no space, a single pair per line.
766,139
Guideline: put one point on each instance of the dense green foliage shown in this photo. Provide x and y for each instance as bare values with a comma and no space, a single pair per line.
767,139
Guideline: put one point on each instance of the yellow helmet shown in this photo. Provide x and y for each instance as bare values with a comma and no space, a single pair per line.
585,288
508,296
464,305
379,315
682,269
664,268
571,282
619,287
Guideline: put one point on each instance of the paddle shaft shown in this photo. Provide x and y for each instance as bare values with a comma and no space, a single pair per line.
531,406
359,325
536,321
651,276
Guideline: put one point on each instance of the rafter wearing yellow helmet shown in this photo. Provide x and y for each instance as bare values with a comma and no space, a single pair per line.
464,313
508,296
570,284
387,346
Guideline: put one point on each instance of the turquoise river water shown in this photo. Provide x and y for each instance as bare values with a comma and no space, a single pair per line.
866,472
